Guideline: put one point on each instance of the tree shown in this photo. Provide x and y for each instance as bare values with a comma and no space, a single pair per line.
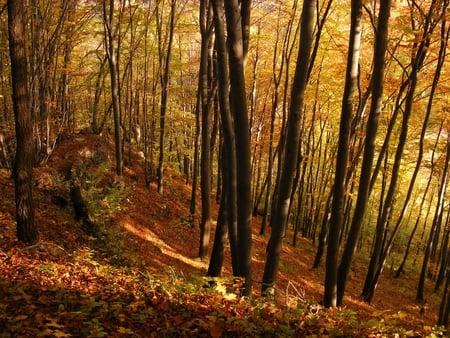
26,227
108,16
164,61
228,205
369,148
237,17
382,242
206,95
337,210
280,213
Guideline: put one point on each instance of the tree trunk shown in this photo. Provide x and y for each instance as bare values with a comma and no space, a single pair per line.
217,254
382,244
444,310
26,227
435,225
111,54
206,110
236,59
164,61
369,149
229,165
279,214
337,208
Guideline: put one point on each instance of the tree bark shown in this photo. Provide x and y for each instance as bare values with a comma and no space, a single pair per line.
23,171
369,149
236,59
206,110
165,61
229,153
382,244
112,61
279,214
337,209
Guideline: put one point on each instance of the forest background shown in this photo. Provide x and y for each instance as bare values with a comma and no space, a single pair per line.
327,118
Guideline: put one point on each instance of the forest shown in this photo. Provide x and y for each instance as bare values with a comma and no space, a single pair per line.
273,144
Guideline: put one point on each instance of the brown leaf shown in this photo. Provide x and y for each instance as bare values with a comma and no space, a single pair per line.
215,331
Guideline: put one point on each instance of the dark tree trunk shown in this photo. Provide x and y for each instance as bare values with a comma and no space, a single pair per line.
220,236
382,244
111,54
279,214
369,149
165,61
195,170
229,153
236,58
337,209
23,173
444,309
437,219
440,63
206,110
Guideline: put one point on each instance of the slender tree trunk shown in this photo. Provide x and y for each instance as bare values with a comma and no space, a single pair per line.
279,214
337,209
108,17
276,76
382,244
164,93
369,149
197,138
23,173
206,110
444,310
435,225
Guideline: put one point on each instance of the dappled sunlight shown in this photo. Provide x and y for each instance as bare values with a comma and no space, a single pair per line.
149,236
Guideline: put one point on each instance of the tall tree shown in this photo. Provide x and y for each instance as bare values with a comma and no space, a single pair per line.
26,226
383,242
279,215
369,148
337,208
110,36
165,58
205,91
229,181
237,17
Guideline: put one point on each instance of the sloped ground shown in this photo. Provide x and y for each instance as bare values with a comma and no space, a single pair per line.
138,275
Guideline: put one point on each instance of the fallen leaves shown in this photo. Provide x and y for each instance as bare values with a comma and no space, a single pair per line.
140,279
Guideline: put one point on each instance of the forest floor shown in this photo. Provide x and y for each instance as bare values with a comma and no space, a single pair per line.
138,275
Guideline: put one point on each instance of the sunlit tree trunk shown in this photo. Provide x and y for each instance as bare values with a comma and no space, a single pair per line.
277,73
205,79
65,91
440,62
280,213
26,226
195,170
108,18
369,149
382,243
165,61
337,209
437,220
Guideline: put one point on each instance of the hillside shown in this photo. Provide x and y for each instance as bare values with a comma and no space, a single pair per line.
136,273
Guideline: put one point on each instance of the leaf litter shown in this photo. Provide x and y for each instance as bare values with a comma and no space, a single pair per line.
140,277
